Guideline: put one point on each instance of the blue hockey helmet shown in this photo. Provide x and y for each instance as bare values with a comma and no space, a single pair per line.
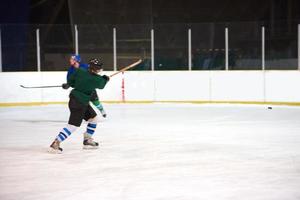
76,57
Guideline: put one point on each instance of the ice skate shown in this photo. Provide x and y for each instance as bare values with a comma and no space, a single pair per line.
89,143
55,148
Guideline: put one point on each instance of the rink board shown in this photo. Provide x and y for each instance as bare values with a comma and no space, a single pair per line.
277,87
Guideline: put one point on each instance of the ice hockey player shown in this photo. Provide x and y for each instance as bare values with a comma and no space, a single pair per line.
83,83
75,62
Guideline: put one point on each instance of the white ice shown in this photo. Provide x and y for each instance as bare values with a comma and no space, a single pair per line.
154,152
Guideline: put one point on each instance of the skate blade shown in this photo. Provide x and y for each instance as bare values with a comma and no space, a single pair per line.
87,147
54,151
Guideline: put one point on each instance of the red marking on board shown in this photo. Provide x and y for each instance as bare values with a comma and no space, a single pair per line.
123,88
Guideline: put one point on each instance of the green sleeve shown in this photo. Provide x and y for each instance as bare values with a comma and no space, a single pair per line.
101,82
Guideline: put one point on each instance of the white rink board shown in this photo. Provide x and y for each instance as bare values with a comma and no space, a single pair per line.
182,86
139,86
283,86
11,90
54,94
112,90
237,86
251,86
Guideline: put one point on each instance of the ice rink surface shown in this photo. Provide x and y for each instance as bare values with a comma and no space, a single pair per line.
154,152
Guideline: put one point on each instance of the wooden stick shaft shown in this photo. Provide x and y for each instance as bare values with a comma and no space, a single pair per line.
126,68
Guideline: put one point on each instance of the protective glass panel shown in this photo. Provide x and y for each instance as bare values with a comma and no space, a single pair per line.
18,48
56,43
208,46
244,51
133,43
171,47
96,41
281,46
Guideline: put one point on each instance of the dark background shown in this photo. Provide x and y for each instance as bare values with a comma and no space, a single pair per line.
145,11
55,18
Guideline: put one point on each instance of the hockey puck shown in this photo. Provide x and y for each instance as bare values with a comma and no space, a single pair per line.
270,107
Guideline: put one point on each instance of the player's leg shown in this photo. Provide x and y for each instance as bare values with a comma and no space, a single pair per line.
77,112
91,118
63,134
101,109
97,103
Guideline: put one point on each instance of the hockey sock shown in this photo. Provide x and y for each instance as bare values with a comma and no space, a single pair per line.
66,132
90,129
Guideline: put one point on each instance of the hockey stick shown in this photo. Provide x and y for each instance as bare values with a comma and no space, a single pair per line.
54,86
126,68
47,86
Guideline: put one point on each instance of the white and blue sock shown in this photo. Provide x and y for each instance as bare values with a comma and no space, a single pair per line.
90,129
66,132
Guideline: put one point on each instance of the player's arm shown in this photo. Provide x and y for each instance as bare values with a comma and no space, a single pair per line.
72,78
95,99
102,80
70,72
97,103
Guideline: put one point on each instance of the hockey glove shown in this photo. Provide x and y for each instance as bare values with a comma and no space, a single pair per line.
65,86
105,77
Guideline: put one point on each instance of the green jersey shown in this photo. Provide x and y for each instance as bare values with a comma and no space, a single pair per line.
84,83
